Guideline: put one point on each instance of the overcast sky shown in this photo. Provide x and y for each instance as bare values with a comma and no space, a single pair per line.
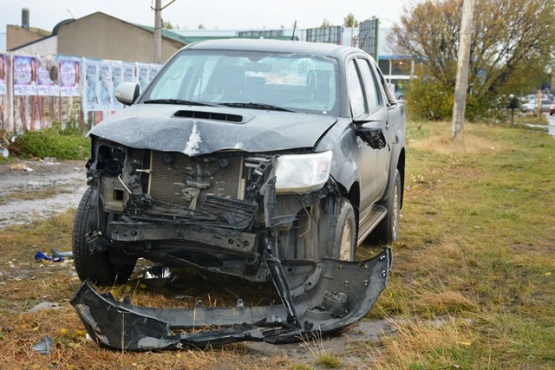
212,14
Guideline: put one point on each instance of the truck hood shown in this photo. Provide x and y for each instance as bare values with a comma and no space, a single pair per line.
196,130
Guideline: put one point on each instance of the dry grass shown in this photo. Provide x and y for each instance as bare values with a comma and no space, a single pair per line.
472,284
439,142
476,248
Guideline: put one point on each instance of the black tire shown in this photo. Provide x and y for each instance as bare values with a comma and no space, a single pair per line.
387,230
345,232
97,267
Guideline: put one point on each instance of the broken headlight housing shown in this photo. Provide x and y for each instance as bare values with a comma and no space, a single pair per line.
302,173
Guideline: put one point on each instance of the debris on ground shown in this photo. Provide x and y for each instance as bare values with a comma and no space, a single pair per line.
45,306
20,167
41,256
59,254
45,346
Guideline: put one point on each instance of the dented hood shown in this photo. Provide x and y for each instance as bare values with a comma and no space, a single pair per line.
163,127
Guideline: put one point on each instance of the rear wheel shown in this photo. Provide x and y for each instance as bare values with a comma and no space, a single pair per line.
344,240
387,230
98,266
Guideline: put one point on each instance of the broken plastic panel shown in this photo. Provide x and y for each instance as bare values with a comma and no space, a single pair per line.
343,294
45,346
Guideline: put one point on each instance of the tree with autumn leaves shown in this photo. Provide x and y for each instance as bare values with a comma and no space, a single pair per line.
513,41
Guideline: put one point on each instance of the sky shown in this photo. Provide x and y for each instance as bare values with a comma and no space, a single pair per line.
212,14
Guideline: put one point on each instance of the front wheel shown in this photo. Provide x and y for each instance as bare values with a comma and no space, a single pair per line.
345,232
97,267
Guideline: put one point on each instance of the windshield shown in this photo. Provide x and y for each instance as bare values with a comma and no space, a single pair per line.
253,79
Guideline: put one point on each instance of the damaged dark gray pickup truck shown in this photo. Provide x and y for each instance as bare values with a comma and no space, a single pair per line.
268,160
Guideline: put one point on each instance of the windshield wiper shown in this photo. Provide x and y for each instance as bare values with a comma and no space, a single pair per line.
261,106
178,101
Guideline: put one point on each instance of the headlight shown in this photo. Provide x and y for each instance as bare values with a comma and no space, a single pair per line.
302,173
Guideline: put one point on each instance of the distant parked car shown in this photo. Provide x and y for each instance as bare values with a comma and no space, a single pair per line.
546,105
532,106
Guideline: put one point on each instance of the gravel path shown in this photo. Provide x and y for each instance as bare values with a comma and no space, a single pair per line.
64,182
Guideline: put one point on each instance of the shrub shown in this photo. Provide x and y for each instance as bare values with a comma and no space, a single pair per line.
57,142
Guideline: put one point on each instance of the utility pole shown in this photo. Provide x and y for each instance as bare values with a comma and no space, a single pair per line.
462,69
158,29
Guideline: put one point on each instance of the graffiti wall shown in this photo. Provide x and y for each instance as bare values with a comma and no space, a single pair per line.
36,91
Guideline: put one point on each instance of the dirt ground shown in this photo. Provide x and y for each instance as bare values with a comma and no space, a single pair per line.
30,190
37,189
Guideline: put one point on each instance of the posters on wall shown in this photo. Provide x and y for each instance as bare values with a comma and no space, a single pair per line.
24,75
3,73
70,77
105,86
28,106
4,67
92,75
36,91
48,90
129,72
70,90
143,75
48,77
146,73
121,72
117,78
154,69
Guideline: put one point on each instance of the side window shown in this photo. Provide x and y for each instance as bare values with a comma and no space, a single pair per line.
371,84
359,107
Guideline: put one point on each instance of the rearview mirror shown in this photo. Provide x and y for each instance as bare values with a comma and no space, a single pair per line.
128,92
372,135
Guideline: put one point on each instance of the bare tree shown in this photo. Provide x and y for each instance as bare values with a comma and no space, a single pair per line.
509,38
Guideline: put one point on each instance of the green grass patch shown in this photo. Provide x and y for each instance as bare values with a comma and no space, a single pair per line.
60,143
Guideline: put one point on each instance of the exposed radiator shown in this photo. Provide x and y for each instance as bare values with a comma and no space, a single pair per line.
179,179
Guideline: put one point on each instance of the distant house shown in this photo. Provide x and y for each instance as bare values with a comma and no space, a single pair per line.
101,36
17,36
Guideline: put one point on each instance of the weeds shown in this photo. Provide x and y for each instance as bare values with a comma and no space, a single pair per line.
60,143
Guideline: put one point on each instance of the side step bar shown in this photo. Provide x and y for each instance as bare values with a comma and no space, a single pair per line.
370,220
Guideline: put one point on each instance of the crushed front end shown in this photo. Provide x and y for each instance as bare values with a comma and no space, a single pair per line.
227,213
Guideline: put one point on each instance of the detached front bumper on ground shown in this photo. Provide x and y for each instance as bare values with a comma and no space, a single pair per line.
343,294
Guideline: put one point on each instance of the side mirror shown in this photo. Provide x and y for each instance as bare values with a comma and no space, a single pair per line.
128,92
371,135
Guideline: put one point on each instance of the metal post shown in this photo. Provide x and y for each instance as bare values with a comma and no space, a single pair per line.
158,30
